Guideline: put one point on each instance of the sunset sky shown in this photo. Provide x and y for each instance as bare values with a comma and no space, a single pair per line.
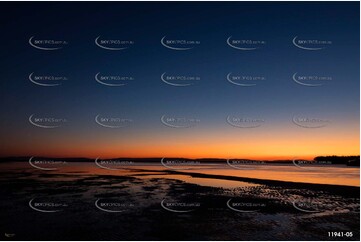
276,100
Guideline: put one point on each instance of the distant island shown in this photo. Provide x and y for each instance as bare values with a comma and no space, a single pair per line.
347,160
339,160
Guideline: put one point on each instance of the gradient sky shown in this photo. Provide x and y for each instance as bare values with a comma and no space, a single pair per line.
276,100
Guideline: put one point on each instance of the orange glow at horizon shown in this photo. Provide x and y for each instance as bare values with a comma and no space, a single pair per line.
260,144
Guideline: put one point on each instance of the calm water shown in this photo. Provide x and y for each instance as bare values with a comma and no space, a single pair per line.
330,174
278,214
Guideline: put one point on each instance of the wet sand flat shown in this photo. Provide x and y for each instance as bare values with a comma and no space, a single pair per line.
139,204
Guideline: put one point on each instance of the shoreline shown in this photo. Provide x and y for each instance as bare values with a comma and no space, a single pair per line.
297,185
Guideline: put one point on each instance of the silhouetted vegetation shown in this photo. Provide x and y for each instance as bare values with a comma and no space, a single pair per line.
331,160
347,160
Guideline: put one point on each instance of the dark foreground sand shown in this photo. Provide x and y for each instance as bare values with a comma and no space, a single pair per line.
136,206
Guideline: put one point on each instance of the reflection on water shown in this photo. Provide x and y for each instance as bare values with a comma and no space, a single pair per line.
335,174
81,185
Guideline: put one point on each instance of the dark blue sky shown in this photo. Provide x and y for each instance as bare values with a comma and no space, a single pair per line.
276,99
